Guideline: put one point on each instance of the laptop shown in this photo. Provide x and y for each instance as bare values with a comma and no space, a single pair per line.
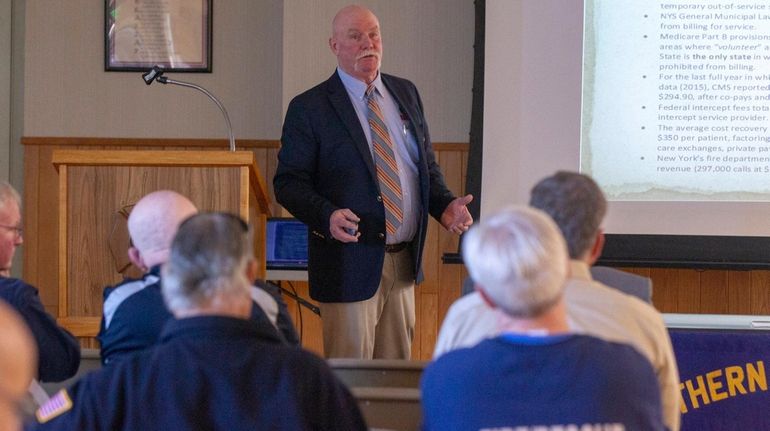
286,244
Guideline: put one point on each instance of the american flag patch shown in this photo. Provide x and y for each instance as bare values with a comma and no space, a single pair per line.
55,406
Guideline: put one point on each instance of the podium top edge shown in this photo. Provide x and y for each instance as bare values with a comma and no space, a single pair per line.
152,158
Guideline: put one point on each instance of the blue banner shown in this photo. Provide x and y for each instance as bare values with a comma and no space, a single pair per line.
723,378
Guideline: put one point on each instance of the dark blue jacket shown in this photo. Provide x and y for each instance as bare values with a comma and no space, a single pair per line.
209,373
58,350
325,164
134,314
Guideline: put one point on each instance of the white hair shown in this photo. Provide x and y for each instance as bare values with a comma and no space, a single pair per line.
208,261
519,258
7,192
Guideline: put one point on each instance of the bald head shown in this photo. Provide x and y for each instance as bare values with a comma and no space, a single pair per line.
356,42
348,13
152,225
18,362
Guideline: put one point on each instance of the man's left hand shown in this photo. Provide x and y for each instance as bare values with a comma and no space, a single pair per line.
456,217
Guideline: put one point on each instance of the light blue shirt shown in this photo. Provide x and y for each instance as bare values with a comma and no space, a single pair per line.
402,136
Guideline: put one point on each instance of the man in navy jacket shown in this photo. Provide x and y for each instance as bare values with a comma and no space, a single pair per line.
59,351
134,313
212,368
362,273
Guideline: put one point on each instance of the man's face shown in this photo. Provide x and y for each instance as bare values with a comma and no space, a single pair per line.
356,43
10,218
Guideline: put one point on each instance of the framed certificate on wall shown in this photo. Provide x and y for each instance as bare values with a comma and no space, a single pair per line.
174,34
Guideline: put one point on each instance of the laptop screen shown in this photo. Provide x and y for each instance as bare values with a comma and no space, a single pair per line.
286,244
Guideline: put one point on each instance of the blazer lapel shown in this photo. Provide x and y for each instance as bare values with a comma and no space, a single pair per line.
407,108
340,100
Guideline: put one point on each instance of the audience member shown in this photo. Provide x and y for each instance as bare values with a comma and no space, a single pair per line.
536,373
18,361
578,206
134,313
212,369
59,351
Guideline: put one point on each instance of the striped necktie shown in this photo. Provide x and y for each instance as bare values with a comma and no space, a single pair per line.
385,162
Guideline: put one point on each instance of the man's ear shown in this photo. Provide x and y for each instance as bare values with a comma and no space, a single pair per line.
135,256
333,45
598,247
252,270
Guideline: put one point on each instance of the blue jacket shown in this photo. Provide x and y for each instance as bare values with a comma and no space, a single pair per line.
325,164
212,373
58,350
134,314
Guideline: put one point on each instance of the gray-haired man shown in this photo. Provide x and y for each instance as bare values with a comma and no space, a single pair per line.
212,369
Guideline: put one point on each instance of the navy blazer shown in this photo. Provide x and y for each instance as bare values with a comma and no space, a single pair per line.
325,164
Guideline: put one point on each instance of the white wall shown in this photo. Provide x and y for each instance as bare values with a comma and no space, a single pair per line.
68,93
265,52
428,42
5,88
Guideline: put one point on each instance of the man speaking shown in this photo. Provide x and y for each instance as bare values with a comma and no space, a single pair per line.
356,165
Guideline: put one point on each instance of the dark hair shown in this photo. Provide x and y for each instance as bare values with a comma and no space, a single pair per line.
576,204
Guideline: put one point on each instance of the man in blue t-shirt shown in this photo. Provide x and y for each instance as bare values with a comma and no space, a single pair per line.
536,374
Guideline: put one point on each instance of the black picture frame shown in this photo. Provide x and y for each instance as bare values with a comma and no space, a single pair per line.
173,34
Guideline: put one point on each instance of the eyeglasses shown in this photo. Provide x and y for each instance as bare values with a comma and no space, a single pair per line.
17,230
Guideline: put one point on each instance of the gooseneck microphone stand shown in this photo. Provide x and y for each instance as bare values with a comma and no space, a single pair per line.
156,74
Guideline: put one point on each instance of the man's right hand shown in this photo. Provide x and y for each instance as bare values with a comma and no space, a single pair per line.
343,225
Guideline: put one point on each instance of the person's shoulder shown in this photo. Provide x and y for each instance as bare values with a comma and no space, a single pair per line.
634,304
599,294
455,361
15,284
16,291
149,283
471,302
626,282
91,393
625,358
268,287
397,80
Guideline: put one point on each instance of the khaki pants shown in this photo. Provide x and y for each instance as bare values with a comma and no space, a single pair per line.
381,327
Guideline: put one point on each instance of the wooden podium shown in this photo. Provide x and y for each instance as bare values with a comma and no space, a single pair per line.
97,189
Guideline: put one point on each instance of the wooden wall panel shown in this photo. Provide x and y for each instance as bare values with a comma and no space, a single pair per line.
714,295
674,290
687,283
760,292
428,325
664,289
108,189
738,283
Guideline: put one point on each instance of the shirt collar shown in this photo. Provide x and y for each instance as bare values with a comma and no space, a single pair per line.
534,340
356,87
155,270
215,326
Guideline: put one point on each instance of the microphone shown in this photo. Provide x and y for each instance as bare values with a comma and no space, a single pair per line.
152,74
156,74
